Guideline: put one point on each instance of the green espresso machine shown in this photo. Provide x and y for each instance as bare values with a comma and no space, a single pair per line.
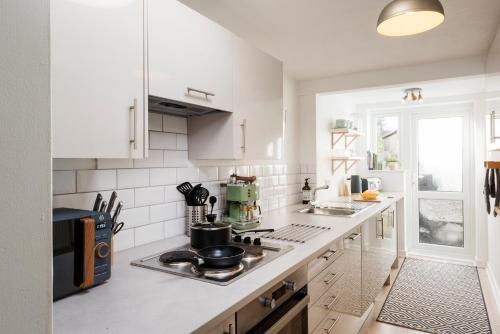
243,212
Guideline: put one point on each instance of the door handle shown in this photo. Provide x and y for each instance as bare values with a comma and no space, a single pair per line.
133,111
207,94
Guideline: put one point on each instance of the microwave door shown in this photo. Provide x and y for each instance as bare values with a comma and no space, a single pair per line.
63,235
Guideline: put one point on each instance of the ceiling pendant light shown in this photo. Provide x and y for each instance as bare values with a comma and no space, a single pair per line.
410,17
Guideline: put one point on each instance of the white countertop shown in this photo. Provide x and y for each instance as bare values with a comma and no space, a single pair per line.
138,300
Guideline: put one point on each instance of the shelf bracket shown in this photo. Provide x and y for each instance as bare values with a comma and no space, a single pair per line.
336,141
349,140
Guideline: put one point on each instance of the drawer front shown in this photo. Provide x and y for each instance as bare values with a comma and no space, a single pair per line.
328,277
328,325
319,264
325,304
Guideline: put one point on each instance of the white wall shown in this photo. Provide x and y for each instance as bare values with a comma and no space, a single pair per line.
25,241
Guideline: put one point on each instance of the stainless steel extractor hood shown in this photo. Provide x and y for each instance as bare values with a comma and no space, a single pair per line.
178,108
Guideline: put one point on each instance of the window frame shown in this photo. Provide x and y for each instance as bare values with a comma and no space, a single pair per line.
374,115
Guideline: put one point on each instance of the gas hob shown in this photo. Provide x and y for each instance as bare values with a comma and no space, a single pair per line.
255,256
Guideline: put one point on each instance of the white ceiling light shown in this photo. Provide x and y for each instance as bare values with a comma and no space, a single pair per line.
412,94
410,17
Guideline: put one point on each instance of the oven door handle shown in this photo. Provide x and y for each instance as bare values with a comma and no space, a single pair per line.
281,323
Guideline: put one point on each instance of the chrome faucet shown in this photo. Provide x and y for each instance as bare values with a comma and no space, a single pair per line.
313,198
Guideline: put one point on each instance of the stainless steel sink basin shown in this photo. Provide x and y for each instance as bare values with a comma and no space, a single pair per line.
335,209
328,211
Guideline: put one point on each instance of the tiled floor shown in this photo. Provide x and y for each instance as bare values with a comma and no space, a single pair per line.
372,326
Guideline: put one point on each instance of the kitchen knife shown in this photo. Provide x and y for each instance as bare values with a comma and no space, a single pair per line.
97,202
103,206
111,202
117,211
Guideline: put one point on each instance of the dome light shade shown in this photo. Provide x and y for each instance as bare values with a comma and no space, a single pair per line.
410,17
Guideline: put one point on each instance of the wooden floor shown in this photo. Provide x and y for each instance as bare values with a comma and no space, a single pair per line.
372,326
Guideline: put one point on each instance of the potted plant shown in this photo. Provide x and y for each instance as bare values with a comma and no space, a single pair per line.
392,163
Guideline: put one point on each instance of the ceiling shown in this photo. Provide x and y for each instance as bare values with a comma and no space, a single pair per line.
320,38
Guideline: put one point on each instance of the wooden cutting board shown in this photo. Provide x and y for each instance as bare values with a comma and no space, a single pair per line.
358,198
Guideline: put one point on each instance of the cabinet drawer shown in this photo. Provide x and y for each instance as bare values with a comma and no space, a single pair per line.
326,278
328,325
319,264
325,304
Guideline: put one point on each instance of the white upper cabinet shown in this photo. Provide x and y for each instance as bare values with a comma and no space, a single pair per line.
493,124
255,128
258,101
190,56
98,79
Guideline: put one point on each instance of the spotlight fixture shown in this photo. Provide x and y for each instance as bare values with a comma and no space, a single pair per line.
414,94
410,17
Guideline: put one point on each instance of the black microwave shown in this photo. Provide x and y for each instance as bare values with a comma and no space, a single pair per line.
81,250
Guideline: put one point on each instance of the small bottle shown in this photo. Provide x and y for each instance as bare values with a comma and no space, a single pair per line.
306,193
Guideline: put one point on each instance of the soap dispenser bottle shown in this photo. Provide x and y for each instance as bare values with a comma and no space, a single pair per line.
306,192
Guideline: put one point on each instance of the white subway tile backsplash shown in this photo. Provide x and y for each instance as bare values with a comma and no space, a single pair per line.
172,194
283,179
225,172
149,196
85,201
275,180
278,169
133,178
163,212
182,142
267,170
162,141
134,217
174,124
255,171
149,233
64,182
189,174
174,227
95,180
175,159
114,163
181,209
163,176
208,174
155,122
154,159
73,164
123,240
243,171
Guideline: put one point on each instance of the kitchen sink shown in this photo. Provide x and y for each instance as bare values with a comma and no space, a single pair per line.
328,211
340,209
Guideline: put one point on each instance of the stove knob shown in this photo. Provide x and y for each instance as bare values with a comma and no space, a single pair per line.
237,238
257,242
268,302
289,285
102,250
247,240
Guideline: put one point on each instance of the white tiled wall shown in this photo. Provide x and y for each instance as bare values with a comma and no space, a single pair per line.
154,209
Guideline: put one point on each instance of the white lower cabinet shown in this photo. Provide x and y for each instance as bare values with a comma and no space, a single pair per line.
98,79
228,326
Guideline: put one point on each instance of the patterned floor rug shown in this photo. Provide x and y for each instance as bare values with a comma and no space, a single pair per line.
436,297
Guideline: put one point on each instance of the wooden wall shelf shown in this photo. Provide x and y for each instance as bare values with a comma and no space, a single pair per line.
347,162
349,136
492,164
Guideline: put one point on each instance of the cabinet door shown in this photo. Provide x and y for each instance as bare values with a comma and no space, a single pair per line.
493,125
98,84
228,326
258,101
189,55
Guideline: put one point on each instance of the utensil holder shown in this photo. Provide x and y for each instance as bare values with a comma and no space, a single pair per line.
195,215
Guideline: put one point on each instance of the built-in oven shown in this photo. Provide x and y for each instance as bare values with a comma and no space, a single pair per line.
282,309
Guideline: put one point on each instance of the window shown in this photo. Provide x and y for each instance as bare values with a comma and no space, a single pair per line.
386,145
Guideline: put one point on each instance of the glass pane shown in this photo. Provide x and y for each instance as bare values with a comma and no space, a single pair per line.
441,222
387,145
440,154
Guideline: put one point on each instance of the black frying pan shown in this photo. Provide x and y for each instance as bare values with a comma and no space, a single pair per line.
213,256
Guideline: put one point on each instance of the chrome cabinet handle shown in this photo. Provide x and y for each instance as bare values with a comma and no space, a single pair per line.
329,305
133,111
243,126
328,281
353,236
207,94
329,329
229,329
391,214
328,254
